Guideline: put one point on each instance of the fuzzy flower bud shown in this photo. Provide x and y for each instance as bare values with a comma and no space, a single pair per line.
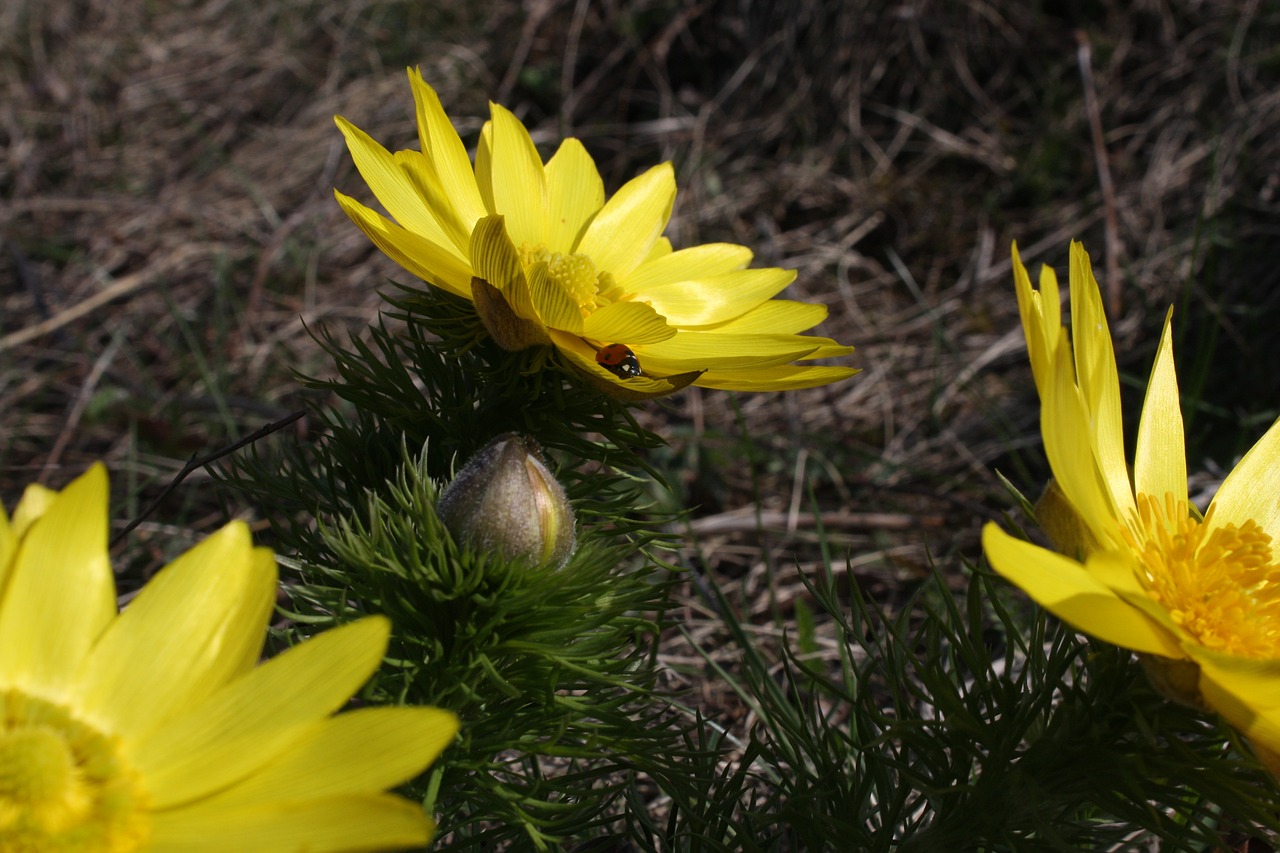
506,500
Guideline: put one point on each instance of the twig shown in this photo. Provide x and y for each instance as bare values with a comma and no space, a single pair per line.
1084,57
1234,51
743,522
120,288
27,275
568,66
537,12
81,402
194,464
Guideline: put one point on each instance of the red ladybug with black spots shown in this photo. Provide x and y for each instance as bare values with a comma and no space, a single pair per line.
619,360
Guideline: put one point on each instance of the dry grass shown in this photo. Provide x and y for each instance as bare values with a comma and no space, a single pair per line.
170,230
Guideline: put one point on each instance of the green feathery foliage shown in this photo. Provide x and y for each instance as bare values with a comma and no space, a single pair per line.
551,670
960,723
963,723
441,384
539,662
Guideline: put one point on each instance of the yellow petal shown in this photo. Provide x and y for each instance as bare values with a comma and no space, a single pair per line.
360,752
198,623
1257,680
554,307
826,348
1250,490
710,259
661,248
1116,571
1098,380
390,185
362,822
61,593
519,183
1041,313
632,390
1061,522
484,166
495,259
247,723
777,316
453,231
575,192
508,330
715,299
432,262
706,350
641,388
1066,428
1245,691
35,500
1176,680
632,323
441,143
780,378
623,232
1160,461
1064,588
8,548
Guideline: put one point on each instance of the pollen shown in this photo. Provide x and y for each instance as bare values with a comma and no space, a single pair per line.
1219,582
63,784
575,274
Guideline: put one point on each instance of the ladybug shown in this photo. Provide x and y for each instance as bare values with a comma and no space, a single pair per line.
619,360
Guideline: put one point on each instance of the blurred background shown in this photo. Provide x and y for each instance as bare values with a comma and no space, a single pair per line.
170,234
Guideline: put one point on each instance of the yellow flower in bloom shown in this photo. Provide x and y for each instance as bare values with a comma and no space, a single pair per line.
548,260
156,730
1198,597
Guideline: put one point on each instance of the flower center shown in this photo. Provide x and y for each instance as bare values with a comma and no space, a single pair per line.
63,784
576,275
1218,582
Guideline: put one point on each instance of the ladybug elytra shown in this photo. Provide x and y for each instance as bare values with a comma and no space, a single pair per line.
619,360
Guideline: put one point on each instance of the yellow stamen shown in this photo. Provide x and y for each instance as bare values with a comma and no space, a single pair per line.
63,784
577,276
1219,583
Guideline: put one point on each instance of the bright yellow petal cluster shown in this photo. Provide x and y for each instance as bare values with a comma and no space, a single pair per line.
1197,597
155,729
547,259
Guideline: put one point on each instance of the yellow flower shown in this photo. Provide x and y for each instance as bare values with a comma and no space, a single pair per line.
547,260
1198,597
156,730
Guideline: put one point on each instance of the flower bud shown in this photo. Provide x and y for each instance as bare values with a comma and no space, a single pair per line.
506,500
